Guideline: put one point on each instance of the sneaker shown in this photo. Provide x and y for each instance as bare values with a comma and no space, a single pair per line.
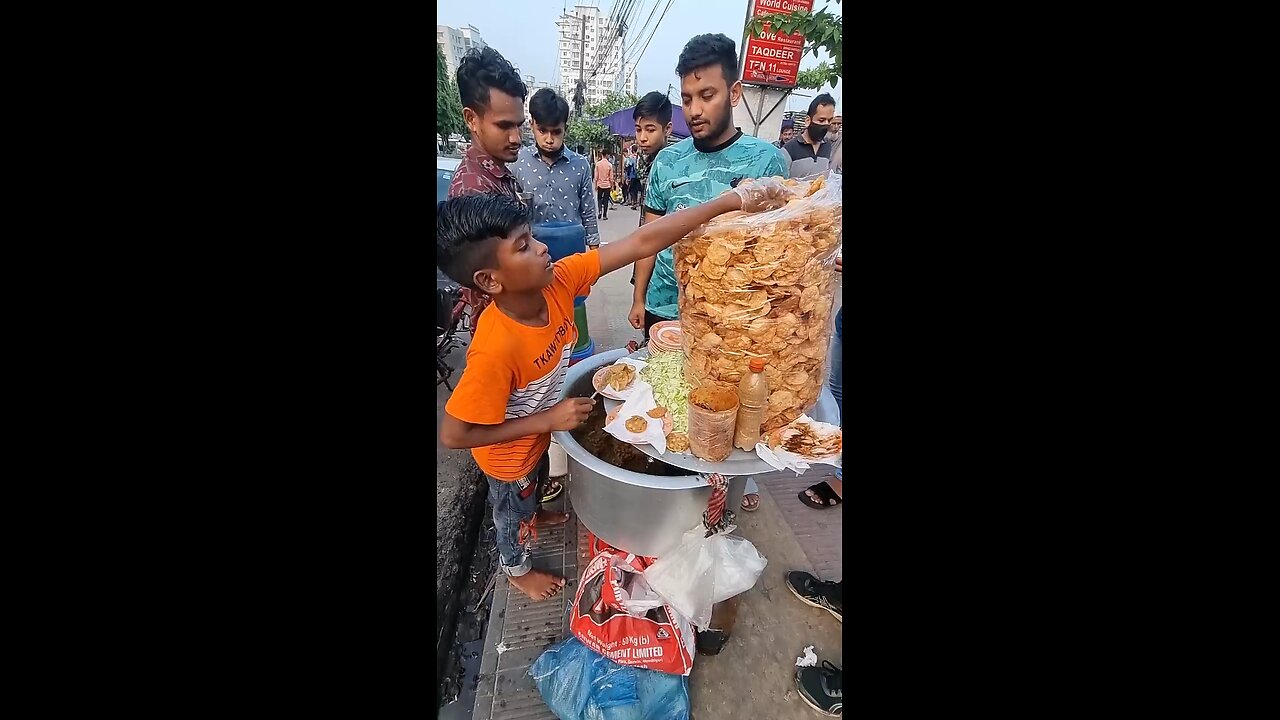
820,688
815,592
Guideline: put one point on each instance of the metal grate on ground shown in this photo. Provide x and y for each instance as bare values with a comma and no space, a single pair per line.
523,629
819,532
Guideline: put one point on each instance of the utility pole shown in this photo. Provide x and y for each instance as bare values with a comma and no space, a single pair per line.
582,61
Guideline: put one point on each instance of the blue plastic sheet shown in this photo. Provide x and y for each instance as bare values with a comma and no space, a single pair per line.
578,684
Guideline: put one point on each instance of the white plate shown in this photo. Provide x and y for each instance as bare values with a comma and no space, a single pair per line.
604,389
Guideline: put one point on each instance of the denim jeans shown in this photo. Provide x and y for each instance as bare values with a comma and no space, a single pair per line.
516,502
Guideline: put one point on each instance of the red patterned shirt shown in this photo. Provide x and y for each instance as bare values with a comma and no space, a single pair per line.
480,173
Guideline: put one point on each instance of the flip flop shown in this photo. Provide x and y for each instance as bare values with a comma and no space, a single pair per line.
554,489
751,508
824,493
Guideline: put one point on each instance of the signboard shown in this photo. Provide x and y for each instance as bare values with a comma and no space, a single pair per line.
773,59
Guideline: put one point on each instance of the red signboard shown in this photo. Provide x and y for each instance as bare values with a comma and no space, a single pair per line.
773,58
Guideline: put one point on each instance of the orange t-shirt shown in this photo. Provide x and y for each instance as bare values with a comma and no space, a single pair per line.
514,370
604,174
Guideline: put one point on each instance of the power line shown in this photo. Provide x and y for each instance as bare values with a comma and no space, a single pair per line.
635,58
636,64
647,22
616,26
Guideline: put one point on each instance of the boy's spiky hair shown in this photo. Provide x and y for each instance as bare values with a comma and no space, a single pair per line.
467,229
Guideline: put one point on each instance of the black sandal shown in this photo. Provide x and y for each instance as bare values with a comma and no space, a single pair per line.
824,493
554,489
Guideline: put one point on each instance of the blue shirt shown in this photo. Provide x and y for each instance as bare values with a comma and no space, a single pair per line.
564,190
682,177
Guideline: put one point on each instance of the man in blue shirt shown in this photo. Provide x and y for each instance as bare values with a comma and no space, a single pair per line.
698,168
560,179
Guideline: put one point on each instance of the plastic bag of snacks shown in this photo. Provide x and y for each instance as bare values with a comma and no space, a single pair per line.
762,285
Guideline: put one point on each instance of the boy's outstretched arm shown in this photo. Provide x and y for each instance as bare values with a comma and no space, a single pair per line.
654,237
567,414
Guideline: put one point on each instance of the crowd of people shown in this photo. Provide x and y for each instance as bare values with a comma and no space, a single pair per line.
506,403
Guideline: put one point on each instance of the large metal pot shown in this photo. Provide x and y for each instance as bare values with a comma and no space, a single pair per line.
642,514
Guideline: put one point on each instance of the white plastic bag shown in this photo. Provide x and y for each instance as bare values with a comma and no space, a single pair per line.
703,571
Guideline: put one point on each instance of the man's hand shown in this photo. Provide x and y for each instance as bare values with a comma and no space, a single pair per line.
763,194
570,413
636,316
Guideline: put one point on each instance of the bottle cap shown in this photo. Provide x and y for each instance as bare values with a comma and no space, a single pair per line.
757,364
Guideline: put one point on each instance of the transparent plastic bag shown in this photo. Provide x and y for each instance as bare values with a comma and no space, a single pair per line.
763,285
579,684
703,571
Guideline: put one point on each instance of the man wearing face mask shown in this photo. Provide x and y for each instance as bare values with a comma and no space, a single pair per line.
559,178
698,169
809,151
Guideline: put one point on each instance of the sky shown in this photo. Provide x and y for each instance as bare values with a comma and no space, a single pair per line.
524,31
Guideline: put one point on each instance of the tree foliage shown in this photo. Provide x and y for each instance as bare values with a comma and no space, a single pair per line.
822,31
588,131
612,103
815,77
448,101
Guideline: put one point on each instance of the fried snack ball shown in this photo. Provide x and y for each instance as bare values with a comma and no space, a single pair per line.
678,442
636,424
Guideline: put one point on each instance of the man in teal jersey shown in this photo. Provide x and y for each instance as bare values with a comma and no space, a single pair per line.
698,168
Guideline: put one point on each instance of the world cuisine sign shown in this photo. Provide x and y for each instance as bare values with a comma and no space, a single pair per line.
773,58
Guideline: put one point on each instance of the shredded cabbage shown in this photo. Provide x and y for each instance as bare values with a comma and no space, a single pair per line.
665,372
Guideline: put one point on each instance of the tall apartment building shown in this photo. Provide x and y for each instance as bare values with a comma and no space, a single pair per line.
455,42
602,56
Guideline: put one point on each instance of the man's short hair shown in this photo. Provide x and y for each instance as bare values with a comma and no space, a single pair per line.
823,99
654,105
788,124
467,230
710,49
483,69
548,109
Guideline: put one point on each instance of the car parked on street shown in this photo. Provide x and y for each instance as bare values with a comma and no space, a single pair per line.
445,168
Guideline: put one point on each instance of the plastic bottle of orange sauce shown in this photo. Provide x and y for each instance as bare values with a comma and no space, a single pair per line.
753,398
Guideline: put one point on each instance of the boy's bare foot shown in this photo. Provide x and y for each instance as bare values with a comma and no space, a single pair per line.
538,584
547,517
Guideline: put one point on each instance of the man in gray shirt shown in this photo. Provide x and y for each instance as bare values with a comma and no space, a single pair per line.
809,152
562,181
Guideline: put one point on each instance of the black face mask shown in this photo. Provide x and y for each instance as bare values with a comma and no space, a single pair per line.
817,132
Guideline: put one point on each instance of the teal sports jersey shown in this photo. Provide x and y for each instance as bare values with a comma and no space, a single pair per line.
682,177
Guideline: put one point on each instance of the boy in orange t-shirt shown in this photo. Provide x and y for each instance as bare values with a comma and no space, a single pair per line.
506,403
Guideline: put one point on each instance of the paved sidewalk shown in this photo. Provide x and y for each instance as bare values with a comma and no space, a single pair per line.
752,676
